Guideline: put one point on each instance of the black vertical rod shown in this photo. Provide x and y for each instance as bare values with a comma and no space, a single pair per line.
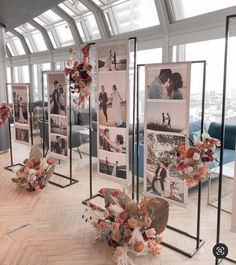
70,133
30,115
200,184
134,101
222,136
90,153
9,127
43,129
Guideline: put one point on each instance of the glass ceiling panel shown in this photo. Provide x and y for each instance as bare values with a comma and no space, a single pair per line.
66,9
29,44
18,46
74,6
194,8
52,39
81,32
49,17
64,34
39,21
39,41
10,49
92,27
134,14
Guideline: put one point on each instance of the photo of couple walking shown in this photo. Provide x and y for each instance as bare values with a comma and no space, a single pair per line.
166,83
112,108
20,104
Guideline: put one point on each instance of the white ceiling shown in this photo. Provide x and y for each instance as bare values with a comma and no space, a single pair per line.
16,12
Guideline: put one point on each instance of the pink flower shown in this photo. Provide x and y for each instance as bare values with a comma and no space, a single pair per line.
147,221
154,247
115,227
132,222
116,236
151,232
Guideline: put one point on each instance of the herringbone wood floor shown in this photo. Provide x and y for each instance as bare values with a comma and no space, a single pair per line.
47,228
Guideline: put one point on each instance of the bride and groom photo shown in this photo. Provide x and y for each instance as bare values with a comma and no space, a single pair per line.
20,104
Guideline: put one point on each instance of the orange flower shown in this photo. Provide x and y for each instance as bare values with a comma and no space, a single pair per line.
124,216
132,222
116,236
115,226
138,246
202,170
101,224
115,192
147,221
50,161
191,151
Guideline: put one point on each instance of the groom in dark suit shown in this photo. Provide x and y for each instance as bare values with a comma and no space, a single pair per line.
160,175
103,99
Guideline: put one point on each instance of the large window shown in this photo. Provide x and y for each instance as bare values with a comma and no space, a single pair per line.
14,44
187,8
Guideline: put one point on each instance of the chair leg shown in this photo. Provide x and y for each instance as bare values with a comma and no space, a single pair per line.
79,152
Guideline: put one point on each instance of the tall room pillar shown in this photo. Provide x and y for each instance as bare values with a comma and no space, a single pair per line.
4,133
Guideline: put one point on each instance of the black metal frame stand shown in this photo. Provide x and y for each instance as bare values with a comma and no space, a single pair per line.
217,260
12,165
91,196
197,239
70,178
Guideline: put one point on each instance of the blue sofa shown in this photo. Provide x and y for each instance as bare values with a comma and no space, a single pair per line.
214,130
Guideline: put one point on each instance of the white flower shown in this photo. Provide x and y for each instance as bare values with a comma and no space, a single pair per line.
205,136
196,156
188,170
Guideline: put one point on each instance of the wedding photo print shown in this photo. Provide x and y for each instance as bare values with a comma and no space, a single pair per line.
57,93
113,57
168,81
169,116
22,134
112,99
162,178
58,145
20,105
58,125
112,139
113,164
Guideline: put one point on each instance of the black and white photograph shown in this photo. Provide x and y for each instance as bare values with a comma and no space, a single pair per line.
112,164
20,103
57,93
167,116
58,125
112,139
112,57
168,81
112,99
59,145
22,134
162,178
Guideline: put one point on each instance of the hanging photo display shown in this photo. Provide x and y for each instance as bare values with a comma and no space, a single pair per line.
166,127
57,114
21,113
112,98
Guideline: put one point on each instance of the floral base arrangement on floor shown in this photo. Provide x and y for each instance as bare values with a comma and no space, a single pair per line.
192,162
79,72
4,113
127,226
35,172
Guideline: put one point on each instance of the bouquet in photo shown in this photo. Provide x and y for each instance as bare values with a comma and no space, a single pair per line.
128,226
79,72
192,162
35,172
4,113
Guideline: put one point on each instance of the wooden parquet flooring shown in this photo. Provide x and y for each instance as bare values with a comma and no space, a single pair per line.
46,228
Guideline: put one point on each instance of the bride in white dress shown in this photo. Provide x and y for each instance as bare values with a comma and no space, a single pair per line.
21,116
116,99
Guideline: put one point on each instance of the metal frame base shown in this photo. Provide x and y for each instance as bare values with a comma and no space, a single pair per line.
85,202
188,254
9,168
72,181
229,259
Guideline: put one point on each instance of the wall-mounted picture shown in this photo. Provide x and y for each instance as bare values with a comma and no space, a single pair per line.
112,139
20,103
112,99
112,57
168,81
59,145
58,125
22,134
161,176
113,164
168,116
57,90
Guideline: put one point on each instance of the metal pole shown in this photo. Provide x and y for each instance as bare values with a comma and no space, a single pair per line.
43,129
30,116
90,154
70,134
9,128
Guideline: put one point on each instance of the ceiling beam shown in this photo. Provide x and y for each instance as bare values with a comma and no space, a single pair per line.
71,22
44,34
22,39
99,16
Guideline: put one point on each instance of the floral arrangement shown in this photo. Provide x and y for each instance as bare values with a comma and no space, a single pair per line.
128,226
192,162
4,113
35,172
79,72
